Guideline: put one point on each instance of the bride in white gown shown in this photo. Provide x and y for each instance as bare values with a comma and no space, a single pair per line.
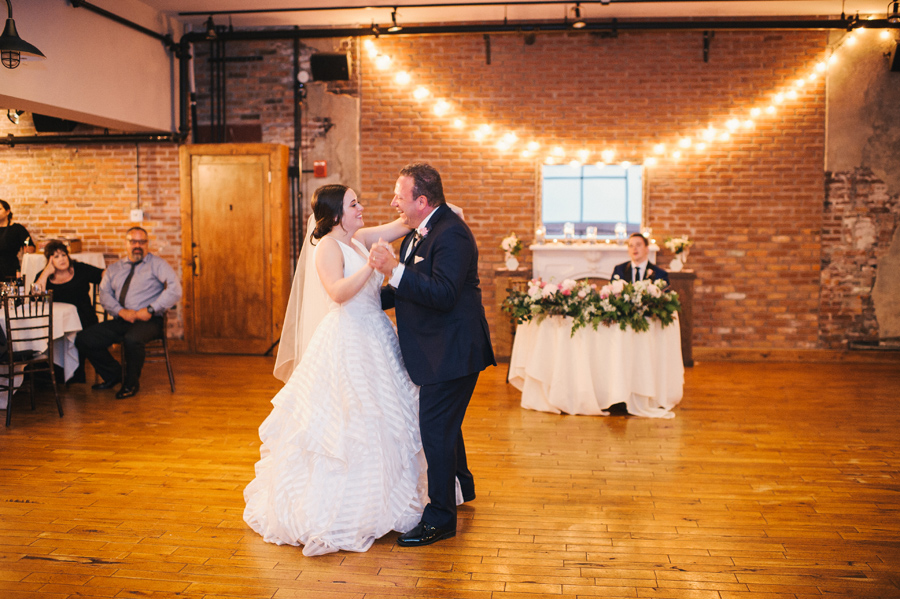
341,462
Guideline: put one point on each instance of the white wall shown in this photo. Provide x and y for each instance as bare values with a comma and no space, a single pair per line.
97,71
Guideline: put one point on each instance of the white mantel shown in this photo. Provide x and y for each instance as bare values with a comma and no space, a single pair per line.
557,261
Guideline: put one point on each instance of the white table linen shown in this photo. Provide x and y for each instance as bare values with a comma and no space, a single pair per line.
66,325
33,264
592,370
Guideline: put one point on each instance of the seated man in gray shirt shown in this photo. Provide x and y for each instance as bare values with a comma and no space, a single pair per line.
136,290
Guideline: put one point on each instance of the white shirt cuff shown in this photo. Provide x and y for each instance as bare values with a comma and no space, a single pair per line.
397,275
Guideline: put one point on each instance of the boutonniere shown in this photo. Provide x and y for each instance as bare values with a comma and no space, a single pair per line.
425,232
649,271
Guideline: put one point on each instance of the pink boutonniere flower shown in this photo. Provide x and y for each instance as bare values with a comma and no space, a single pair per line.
425,232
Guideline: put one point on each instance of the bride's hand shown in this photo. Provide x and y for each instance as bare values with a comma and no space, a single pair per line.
456,210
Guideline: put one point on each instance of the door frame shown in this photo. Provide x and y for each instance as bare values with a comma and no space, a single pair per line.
278,223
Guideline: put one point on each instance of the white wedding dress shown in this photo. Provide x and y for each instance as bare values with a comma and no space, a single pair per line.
341,462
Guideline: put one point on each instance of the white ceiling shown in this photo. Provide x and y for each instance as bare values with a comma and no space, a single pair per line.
361,13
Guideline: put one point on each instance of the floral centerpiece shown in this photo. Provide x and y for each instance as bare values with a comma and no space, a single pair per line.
621,303
511,246
680,246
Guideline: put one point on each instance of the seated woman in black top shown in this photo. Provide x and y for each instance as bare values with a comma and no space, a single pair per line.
70,281
13,239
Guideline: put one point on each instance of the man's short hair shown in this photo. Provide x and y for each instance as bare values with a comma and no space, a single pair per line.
141,229
426,182
641,235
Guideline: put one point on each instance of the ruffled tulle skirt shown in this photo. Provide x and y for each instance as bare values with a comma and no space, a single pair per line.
341,462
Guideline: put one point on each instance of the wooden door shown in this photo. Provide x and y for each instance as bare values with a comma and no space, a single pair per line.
236,270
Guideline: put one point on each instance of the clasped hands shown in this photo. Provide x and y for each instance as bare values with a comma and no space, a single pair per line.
135,315
382,258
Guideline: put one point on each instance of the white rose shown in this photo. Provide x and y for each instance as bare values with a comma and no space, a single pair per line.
534,292
618,286
583,293
568,284
550,289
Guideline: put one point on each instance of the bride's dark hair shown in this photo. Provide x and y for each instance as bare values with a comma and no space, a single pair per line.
328,208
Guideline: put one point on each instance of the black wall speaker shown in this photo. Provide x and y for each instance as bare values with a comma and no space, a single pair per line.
51,124
329,66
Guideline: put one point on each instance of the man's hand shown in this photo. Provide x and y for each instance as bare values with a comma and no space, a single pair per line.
129,315
382,259
143,314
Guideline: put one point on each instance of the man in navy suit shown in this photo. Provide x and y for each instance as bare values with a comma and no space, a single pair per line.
444,337
639,267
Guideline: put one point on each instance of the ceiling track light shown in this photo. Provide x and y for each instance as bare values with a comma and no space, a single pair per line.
394,28
12,47
210,29
893,15
375,30
579,22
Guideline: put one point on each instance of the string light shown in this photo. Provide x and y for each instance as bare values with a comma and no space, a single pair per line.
557,154
383,61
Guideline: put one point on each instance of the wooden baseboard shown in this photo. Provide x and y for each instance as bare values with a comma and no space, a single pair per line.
723,354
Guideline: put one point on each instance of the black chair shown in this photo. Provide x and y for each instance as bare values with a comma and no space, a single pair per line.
157,350
29,324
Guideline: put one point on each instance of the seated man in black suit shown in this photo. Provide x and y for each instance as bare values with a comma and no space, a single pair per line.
639,267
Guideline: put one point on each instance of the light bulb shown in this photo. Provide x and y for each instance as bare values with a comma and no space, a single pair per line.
441,108
533,146
684,142
755,112
607,155
650,161
421,93
402,78
659,149
382,61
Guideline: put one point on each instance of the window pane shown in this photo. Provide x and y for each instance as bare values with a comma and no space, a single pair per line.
603,200
562,200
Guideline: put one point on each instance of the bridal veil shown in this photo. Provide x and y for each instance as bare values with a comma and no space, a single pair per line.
306,308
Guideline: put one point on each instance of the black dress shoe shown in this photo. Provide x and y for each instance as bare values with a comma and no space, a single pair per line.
128,391
424,534
106,385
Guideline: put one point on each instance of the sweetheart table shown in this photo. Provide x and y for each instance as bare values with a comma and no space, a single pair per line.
592,370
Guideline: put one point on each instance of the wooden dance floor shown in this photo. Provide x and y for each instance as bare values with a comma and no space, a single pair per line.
774,481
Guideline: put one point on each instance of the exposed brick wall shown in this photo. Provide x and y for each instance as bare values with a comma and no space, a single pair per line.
753,205
88,192
860,219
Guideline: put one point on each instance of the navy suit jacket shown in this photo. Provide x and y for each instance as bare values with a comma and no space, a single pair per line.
655,272
440,318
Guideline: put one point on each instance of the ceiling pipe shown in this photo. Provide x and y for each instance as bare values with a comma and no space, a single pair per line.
166,39
30,140
181,49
